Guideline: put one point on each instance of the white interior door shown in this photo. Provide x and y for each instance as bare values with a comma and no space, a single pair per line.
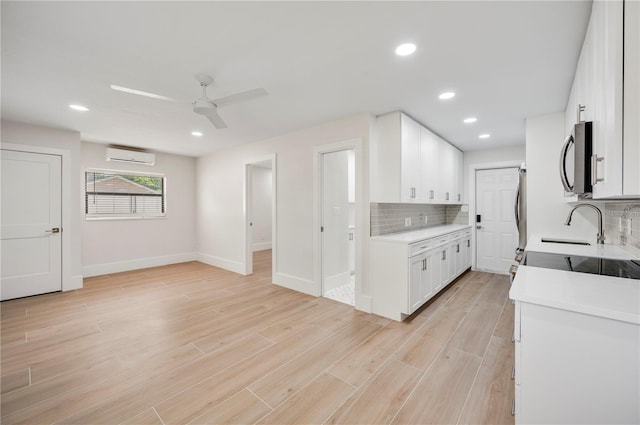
496,231
31,257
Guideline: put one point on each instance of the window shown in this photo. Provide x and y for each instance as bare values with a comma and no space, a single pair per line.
113,194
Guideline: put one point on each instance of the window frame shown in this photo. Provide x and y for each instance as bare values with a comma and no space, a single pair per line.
135,216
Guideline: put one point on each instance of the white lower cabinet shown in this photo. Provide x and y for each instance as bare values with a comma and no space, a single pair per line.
575,368
405,276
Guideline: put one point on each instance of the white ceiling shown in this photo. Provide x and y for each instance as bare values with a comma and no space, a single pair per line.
318,60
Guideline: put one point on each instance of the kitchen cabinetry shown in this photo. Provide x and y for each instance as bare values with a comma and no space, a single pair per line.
575,368
606,83
408,274
414,165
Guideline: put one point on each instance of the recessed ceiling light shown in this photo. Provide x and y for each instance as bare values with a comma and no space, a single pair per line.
405,49
79,108
484,136
446,95
196,133
470,120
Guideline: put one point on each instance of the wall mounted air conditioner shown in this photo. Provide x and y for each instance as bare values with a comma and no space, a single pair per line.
136,157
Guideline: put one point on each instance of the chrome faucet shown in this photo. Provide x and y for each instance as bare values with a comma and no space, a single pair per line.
600,229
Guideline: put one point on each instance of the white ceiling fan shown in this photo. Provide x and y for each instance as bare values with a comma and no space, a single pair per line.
203,105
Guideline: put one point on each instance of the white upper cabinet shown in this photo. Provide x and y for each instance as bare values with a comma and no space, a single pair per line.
606,84
411,164
631,106
429,157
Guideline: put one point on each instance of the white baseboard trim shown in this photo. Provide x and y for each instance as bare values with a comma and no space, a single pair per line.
261,246
75,282
223,263
363,303
297,284
332,282
139,263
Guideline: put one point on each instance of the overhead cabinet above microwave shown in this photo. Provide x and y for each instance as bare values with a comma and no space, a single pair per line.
411,164
607,84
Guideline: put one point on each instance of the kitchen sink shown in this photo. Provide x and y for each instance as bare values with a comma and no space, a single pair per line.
565,241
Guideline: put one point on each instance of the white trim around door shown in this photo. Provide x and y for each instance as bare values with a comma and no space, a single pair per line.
472,198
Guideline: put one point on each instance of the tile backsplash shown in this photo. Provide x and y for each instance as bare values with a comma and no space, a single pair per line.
390,218
622,225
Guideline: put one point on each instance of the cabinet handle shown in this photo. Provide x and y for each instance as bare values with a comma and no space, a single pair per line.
444,255
594,169
459,197
513,372
468,243
447,198
513,407
431,194
458,248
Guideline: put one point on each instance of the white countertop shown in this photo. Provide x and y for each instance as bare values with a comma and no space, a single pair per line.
601,251
603,296
421,234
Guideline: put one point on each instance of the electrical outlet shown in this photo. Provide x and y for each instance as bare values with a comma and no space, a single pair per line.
407,222
426,219
628,229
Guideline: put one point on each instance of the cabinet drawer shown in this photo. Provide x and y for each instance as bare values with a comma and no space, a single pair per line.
420,247
442,240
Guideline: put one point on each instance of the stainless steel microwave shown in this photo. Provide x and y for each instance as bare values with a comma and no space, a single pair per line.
575,161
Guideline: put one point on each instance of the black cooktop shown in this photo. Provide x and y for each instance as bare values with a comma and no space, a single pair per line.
629,269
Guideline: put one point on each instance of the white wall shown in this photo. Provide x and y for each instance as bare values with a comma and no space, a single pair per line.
261,207
546,205
220,203
68,144
117,245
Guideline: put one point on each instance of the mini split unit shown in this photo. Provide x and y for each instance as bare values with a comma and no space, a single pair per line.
125,155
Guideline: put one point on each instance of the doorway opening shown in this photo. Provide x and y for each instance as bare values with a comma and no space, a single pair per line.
338,230
260,214
496,232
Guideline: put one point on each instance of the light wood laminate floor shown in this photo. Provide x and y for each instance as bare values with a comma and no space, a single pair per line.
190,343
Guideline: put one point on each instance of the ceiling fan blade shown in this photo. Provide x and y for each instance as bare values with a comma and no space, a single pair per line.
215,119
240,97
142,93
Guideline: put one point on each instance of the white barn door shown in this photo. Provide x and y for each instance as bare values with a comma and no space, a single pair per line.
31,250
496,230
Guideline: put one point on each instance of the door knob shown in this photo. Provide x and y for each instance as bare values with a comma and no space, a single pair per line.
54,230
478,226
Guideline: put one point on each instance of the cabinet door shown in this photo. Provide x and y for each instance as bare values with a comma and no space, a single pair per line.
466,253
410,161
458,195
453,260
631,135
427,278
606,28
435,270
445,172
416,270
444,266
429,166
